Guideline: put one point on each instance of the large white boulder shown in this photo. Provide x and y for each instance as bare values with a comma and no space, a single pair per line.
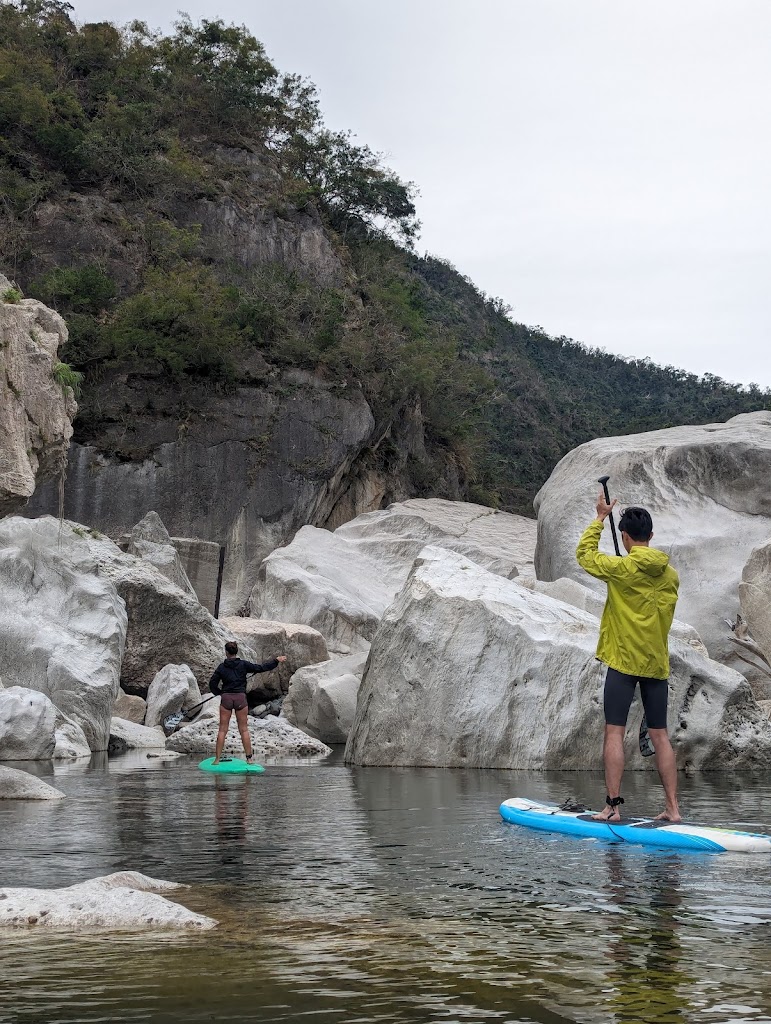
62,624
755,597
124,901
16,785
126,736
36,409
469,669
271,737
341,583
579,596
27,725
322,698
165,624
172,689
707,489
150,540
301,645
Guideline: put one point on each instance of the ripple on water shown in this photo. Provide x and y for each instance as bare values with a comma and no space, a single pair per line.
396,895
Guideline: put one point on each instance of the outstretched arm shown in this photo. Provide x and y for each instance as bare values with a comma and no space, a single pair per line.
265,666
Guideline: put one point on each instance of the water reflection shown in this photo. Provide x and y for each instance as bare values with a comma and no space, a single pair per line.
385,895
647,972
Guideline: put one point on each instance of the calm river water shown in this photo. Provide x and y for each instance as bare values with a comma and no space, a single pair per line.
365,895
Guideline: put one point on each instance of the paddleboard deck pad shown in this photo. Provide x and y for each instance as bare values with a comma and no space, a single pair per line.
640,831
235,766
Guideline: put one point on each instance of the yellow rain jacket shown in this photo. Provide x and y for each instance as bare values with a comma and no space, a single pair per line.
639,608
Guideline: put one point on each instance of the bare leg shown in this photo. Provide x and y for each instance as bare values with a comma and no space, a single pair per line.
667,769
242,717
221,733
613,755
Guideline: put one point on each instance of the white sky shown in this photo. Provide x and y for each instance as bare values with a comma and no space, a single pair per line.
601,165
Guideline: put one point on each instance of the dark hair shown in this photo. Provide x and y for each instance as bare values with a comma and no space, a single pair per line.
231,648
637,523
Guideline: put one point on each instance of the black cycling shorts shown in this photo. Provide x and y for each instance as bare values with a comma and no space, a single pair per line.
619,693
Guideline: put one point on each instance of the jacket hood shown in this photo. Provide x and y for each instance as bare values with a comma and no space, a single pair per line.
651,561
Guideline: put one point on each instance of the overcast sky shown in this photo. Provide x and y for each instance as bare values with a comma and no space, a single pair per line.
601,165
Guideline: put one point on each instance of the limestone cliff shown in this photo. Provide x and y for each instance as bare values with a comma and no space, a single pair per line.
35,409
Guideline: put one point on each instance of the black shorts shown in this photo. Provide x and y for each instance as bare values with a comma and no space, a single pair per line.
619,693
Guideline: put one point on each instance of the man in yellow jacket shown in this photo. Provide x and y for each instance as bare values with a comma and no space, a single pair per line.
634,631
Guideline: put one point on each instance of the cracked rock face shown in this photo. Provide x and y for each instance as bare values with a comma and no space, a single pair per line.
35,410
341,583
322,698
707,489
468,669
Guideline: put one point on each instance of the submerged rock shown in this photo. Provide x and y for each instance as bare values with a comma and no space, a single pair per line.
707,490
341,583
322,698
124,901
62,624
36,410
16,785
471,670
271,737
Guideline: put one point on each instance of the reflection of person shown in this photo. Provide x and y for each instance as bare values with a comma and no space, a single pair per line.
231,808
645,949
638,613
229,679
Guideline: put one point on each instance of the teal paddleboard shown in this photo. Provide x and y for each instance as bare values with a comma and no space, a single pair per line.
233,767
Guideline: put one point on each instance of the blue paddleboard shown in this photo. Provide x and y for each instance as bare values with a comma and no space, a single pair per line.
235,766
640,831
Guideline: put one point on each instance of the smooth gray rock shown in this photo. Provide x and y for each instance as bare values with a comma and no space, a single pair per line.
35,410
341,583
301,645
16,785
755,596
322,698
707,490
62,623
172,689
271,737
130,707
126,736
27,725
150,540
124,901
200,560
469,669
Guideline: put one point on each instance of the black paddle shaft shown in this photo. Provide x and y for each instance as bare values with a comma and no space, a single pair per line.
604,481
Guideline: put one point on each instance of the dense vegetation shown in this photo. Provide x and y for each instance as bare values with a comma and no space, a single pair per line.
141,120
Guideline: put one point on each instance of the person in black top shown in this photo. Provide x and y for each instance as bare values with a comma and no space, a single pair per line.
229,680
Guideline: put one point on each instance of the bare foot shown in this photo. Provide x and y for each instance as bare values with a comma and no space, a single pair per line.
673,817
609,814
216,761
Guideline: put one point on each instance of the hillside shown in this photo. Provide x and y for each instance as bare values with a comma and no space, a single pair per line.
182,204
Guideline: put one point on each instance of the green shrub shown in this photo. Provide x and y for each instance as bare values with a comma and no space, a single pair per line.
12,295
66,377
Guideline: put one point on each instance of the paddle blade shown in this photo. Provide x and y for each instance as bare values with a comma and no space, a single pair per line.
646,743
